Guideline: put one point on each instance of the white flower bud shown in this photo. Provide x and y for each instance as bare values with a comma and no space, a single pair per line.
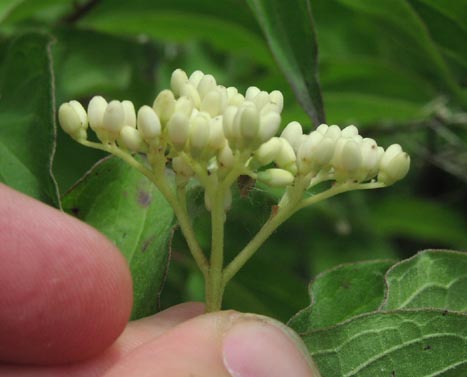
394,165
164,106
322,128
286,158
195,78
306,156
81,113
132,139
277,98
148,123
178,80
216,134
206,85
231,92
228,123
261,99
347,158
226,158
251,93
184,106
268,151
199,132
130,114
276,177
333,132
212,103
293,134
96,109
71,119
268,126
181,167
349,131
370,159
178,130
248,119
236,100
270,108
189,91
114,118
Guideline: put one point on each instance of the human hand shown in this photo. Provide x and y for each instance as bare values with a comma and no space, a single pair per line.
65,299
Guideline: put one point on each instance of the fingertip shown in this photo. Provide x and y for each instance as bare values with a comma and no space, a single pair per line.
66,290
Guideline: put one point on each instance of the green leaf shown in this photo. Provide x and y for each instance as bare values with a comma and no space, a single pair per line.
291,35
27,117
125,206
421,219
229,28
8,6
400,343
431,279
400,19
341,293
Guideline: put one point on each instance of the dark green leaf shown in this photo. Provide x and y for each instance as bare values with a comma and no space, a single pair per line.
431,279
126,207
291,35
228,27
399,343
341,293
27,117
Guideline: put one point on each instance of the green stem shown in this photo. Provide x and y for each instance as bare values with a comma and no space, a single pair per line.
160,181
214,282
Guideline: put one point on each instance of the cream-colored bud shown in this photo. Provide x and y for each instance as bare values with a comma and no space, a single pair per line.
206,85
286,159
236,100
370,158
132,139
178,130
248,119
212,103
226,158
251,93
293,134
228,122
347,158
268,151
184,106
164,106
216,133
70,120
306,156
349,131
268,126
261,99
195,78
231,92
277,98
322,128
130,114
276,177
189,91
270,108
114,118
81,113
96,109
178,80
333,132
199,132
394,165
181,167
148,123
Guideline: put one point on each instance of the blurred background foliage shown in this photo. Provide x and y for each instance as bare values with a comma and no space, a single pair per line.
396,69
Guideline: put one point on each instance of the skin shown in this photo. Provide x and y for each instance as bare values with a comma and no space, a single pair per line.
65,300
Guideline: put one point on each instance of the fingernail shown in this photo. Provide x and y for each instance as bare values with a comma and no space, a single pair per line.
256,346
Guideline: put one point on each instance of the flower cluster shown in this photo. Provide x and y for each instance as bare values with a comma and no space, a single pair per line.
211,132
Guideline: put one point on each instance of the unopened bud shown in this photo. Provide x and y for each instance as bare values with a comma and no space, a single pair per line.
178,80
293,134
114,118
268,151
178,129
276,177
199,132
216,134
132,139
394,165
251,93
164,106
73,119
181,167
248,119
195,78
286,158
349,131
96,109
130,114
268,126
226,158
148,123
212,103
189,91
277,98
261,99
206,85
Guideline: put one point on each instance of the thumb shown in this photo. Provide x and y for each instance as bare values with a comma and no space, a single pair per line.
222,344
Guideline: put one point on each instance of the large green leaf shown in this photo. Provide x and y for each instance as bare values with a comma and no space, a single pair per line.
27,117
228,27
394,344
400,19
431,279
341,293
126,207
290,32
